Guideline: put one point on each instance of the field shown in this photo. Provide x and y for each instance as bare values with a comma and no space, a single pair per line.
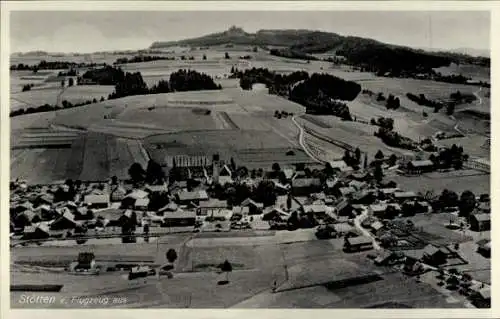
472,180
468,70
91,156
246,147
256,267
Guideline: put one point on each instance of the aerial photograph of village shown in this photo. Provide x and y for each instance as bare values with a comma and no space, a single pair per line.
236,159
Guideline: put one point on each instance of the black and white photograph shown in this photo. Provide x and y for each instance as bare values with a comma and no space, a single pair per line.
249,159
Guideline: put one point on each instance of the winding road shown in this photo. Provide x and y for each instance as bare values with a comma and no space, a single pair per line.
302,141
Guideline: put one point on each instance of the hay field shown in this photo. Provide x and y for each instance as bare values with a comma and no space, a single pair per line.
246,147
82,93
89,157
350,133
431,89
171,119
34,98
475,181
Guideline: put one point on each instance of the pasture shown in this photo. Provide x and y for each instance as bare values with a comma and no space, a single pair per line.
477,182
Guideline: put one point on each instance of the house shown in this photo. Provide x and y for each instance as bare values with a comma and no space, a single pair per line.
316,209
376,226
305,186
118,194
196,197
179,219
434,256
40,231
240,211
170,207
157,189
364,196
66,221
357,185
141,204
484,248
223,214
254,207
340,165
110,217
344,208
377,210
275,214
360,243
130,199
482,297
346,191
211,207
404,196
342,229
97,201
480,222
419,167
384,211
387,258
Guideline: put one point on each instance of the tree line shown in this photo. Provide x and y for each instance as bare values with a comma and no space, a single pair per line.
142,58
51,65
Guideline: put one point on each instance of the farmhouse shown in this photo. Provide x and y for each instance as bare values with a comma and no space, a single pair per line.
359,243
254,207
97,201
305,186
340,166
141,204
180,219
434,256
211,206
40,231
404,196
239,211
275,214
66,221
418,167
480,222
195,197
118,194
344,208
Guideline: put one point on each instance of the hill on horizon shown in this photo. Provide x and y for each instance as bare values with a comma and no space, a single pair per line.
355,49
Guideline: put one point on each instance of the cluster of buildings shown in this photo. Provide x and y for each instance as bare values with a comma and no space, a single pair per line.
305,198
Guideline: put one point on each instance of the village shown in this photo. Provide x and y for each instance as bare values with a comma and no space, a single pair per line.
407,230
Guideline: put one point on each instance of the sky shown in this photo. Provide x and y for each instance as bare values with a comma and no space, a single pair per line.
90,31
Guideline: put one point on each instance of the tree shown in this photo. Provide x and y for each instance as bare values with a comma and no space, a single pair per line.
136,173
114,180
447,199
357,154
226,56
62,83
204,56
450,108
365,165
102,99
154,173
171,255
467,203
255,49
379,155
226,267
71,82
276,167
233,164
393,159
378,173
